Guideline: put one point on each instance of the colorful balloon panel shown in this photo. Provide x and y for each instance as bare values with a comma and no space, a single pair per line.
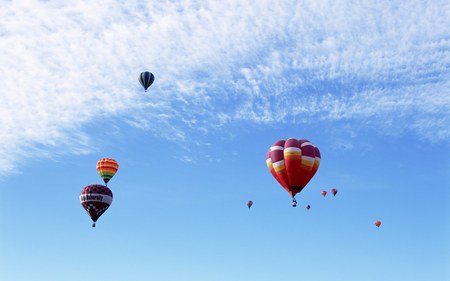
278,163
271,168
96,199
316,160
293,163
293,160
107,168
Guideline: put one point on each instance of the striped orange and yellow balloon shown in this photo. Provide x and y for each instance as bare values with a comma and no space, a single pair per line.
107,168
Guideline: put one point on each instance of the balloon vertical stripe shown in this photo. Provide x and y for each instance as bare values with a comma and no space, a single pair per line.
293,156
278,164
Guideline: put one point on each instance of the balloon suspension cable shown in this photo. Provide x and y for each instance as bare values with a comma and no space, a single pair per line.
294,202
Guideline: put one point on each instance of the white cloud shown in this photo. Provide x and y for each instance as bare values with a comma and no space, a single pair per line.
68,64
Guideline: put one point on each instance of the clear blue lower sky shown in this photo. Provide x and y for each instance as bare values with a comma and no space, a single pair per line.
175,220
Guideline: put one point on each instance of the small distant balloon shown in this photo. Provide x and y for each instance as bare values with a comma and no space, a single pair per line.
308,207
146,79
334,191
378,223
249,203
324,193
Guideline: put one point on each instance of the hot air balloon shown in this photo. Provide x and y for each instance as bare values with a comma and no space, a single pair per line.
96,199
107,168
293,163
249,203
146,79
334,191
324,193
378,223
308,207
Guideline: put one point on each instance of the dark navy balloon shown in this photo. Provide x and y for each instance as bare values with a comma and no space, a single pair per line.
146,79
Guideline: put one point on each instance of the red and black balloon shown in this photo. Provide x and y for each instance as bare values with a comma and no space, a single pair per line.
334,191
96,199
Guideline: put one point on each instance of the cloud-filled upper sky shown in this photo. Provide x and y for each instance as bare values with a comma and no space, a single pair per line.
68,66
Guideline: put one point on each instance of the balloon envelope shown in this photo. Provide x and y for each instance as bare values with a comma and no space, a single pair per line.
334,191
107,168
308,207
249,203
324,193
293,163
146,79
96,199
378,223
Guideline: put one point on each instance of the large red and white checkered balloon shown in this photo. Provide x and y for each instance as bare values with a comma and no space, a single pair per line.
96,199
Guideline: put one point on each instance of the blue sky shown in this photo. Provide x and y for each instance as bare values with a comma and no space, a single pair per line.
367,83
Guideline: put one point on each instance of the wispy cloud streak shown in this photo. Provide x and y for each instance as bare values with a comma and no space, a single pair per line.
65,65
